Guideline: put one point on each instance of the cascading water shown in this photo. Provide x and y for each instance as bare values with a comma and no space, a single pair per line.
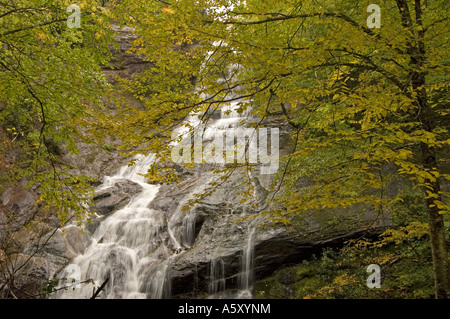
130,247
246,277
231,111
216,276
127,248
188,225
159,284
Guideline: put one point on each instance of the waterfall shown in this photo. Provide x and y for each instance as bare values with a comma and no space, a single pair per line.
188,226
216,276
246,277
159,284
196,279
131,246
230,111
126,247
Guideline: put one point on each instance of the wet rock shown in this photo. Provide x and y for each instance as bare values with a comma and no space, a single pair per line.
220,236
115,197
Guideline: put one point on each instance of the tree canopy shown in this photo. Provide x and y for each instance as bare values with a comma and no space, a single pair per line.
50,81
356,99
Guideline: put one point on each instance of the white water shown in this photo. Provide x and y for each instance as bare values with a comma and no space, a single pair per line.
246,277
126,247
231,111
217,269
188,225
216,276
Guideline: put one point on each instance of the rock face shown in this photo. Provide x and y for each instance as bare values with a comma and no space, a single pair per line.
18,202
217,235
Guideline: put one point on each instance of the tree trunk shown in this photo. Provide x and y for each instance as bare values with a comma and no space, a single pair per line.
437,234
435,220
427,117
